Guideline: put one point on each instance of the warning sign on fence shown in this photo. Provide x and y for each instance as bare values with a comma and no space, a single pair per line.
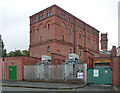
96,73
80,75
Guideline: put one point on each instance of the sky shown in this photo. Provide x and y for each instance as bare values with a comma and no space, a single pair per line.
14,18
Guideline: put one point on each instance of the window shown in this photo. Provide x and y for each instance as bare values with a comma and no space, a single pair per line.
40,38
40,18
47,14
63,16
50,13
48,26
69,19
69,31
79,35
48,49
33,20
88,38
34,31
80,53
95,41
63,37
70,51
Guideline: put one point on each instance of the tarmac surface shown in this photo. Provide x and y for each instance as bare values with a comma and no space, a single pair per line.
43,87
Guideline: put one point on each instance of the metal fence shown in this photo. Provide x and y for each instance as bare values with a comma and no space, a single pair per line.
63,72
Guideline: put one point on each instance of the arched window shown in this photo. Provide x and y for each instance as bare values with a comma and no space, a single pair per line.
33,20
47,14
50,13
48,49
63,37
69,31
69,19
48,26
40,38
70,51
80,53
79,35
40,17
33,31
88,39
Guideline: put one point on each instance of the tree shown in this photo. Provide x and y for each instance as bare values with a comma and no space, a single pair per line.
15,53
25,52
18,53
4,53
11,54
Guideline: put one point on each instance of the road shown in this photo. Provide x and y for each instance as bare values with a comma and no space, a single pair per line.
87,89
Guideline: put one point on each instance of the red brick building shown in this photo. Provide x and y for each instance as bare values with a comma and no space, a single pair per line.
116,67
19,62
54,30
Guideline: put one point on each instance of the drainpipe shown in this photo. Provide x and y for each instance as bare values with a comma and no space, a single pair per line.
74,36
85,55
84,36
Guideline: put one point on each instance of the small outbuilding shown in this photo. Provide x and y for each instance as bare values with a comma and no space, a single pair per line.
12,67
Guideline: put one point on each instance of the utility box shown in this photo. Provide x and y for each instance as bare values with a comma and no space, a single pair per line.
73,56
101,76
46,58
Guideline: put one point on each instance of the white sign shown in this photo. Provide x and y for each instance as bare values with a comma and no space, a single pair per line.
96,73
80,75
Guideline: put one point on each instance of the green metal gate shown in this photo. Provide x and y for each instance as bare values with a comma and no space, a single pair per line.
12,72
99,76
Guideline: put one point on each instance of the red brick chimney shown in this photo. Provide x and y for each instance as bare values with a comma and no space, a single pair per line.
113,51
104,42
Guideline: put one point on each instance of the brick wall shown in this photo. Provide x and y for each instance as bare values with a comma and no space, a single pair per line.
116,70
19,62
57,59
1,68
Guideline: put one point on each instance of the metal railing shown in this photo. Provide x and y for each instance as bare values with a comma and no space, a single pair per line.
62,72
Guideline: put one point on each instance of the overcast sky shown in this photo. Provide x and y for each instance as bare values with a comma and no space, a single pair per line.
14,18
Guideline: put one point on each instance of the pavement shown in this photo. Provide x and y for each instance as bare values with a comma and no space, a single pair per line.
56,86
41,85
116,88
